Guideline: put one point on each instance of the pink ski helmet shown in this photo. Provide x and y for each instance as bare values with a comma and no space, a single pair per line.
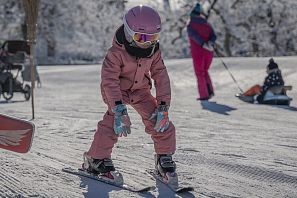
142,24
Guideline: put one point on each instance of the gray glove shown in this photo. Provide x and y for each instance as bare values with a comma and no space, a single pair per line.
162,121
122,122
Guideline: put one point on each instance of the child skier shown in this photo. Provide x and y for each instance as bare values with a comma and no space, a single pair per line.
274,78
202,39
129,65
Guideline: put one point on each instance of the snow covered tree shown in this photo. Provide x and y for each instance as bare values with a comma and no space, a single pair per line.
11,19
72,31
244,28
79,31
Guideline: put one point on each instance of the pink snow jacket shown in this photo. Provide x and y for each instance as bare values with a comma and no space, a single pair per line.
122,72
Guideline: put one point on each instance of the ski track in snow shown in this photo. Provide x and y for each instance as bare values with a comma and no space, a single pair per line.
225,148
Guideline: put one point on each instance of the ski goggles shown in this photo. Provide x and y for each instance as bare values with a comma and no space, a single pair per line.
145,38
142,38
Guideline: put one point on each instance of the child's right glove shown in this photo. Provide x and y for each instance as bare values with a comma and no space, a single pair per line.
161,113
121,124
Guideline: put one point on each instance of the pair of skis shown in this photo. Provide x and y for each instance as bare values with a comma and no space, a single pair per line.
84,173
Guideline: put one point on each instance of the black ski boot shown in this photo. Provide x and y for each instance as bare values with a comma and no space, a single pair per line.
164,164
103,168
97,166
165,167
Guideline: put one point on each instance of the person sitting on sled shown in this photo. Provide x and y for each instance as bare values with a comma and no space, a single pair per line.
274,78
129,65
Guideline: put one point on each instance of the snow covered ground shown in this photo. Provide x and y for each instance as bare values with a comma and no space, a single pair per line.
225,147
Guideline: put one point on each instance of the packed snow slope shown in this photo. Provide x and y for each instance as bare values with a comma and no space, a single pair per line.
225,147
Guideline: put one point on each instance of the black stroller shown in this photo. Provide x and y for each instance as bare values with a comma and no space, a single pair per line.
13,55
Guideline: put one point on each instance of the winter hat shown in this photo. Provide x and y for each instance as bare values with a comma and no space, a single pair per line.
196,10
272,65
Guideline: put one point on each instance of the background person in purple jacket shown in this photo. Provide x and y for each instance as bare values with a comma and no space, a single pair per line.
202,39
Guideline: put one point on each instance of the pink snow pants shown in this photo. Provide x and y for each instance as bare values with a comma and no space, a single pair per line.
202,59
145,104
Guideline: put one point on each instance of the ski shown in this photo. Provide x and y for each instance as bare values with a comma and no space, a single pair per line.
248,99
84,173
174,188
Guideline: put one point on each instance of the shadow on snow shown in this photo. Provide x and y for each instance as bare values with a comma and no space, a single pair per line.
217,108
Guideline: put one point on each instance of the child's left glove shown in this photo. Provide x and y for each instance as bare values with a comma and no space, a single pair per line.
162,122
121,124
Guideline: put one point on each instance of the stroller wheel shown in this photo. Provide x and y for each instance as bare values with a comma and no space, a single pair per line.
8,88
27,92
7,95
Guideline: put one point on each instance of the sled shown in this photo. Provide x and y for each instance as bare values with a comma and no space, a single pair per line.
278,96
16,134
